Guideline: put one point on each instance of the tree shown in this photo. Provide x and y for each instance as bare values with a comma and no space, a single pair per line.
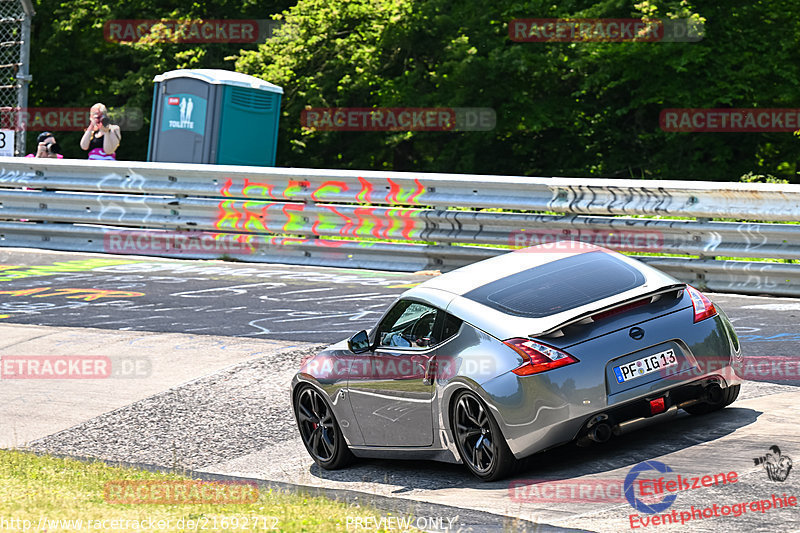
581,109
73,65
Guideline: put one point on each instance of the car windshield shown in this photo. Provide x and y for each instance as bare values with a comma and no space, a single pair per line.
559,286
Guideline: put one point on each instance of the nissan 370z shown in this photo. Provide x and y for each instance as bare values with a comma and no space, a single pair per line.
514,355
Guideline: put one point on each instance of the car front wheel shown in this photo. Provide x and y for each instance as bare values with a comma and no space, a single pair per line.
319,430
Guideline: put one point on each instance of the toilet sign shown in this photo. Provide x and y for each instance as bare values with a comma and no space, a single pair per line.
184,112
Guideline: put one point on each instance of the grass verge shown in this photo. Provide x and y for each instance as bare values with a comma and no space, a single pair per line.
45,493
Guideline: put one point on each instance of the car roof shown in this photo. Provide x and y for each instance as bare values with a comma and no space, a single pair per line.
471,292
470,277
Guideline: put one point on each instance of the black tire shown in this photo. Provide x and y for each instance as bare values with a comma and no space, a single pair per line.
729,396
319,430
480,443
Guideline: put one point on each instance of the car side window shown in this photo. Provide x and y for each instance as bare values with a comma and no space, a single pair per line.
409,325
450,326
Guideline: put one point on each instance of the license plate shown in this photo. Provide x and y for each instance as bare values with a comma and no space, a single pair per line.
645,365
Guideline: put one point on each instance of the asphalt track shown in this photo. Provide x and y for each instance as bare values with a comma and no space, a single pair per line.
198,297
303,304
203,325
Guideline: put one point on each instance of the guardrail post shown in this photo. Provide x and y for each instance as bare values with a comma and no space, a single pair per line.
703,220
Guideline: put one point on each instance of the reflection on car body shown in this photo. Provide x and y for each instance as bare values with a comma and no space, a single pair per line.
510,356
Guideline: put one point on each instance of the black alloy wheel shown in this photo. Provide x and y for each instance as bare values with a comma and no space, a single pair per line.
318,428
480,443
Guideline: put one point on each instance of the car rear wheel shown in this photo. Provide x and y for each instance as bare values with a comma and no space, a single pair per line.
729,396
480,444
319,430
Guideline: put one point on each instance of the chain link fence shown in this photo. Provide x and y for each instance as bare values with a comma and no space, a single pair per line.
15,31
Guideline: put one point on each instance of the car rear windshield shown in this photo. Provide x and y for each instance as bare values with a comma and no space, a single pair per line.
559,286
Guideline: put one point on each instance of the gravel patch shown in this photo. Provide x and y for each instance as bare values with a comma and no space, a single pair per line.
757,389
217,419
210,420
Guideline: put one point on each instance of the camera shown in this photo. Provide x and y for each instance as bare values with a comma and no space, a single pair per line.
105,121
759,460
53,148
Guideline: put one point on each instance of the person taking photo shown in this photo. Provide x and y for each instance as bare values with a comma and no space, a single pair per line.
101,138
48,147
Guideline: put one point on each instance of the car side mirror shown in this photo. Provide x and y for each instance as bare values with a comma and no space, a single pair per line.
359,343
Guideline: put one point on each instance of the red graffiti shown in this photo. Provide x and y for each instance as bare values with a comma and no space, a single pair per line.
328,187
365,194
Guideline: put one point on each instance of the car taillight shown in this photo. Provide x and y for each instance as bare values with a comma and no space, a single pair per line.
538,357
703,308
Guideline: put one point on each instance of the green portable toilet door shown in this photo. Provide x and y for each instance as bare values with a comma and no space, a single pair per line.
248,129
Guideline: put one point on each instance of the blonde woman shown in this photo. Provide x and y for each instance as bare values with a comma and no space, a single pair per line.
101,138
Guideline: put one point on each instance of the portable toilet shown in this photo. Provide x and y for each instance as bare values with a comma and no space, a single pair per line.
214,116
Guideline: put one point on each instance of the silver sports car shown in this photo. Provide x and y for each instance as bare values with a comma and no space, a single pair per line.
516,354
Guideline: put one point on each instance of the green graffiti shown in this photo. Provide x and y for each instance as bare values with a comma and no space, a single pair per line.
294,219
14,272
229,217
253,221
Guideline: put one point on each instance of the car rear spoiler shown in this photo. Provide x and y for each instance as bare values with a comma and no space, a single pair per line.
586,317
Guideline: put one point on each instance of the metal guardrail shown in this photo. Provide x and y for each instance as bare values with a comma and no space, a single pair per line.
398,221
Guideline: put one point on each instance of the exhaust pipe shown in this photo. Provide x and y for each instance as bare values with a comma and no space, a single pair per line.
713,393
600,433
598,430
601,428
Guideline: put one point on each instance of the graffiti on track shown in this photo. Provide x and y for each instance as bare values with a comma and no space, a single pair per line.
16,272
87,295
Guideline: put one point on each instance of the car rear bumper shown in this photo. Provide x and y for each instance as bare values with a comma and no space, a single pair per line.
621,418
544,410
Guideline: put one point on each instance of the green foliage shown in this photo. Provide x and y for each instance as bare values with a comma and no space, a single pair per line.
760,178
563,109
74,66
581,109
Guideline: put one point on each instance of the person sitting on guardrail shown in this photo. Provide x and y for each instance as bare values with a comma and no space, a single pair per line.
101,138
48,147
